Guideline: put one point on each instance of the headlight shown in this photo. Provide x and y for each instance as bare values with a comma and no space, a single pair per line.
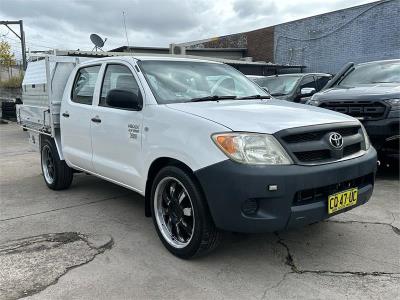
252,148
394,103
366,138
313,102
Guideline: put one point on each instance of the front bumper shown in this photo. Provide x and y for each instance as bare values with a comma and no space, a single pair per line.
233,190
385,135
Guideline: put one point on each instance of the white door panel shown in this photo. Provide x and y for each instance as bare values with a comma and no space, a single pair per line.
116,139
117,144
76,112
76,135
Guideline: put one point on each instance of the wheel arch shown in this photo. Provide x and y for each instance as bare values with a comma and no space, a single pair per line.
56,140
155,167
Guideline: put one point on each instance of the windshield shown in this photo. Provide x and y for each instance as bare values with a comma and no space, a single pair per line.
382,72
183,81
278,85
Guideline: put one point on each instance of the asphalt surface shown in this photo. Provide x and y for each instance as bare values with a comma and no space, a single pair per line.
93,242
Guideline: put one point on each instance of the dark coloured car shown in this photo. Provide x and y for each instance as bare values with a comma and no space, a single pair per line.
293,87
371,93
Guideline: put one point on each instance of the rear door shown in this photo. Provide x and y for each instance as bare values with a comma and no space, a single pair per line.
117,133
75,117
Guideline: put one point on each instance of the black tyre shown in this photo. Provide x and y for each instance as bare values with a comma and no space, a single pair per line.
56,173
180,214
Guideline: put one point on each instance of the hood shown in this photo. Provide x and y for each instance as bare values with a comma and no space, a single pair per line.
284,97
380,91
264,116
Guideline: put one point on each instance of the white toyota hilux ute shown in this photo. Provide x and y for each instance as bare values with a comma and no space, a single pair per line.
206,147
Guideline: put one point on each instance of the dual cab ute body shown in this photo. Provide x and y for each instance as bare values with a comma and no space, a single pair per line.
204,145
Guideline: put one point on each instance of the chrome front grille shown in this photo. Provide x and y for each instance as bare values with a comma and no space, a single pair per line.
317,135
310,145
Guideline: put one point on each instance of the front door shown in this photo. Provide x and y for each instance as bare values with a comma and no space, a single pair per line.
75,115
116,132
306,82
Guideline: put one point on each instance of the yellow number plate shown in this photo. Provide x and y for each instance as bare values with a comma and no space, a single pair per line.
342,200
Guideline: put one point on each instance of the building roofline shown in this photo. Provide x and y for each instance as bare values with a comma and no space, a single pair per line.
167,49
134,47
218,49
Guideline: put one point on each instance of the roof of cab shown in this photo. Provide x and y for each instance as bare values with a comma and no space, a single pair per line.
300,74
151,56
173,58
289,74
395,61
148,58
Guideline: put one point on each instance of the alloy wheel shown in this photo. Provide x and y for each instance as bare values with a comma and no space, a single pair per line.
48,164
174,212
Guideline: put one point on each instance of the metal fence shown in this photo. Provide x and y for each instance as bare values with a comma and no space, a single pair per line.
8,72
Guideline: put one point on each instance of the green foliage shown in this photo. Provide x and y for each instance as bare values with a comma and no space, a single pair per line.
7,58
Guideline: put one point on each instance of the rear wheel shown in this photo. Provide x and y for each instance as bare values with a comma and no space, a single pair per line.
56,173
180,214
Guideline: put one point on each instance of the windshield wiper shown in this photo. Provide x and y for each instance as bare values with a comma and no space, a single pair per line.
254,97
212,98
278,94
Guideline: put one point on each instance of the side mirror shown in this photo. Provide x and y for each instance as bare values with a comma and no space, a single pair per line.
124,99
307,92
18,101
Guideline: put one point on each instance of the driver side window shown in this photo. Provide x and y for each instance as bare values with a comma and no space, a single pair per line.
118,77
308,82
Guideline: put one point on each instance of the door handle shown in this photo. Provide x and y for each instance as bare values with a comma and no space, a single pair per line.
65,115
96,120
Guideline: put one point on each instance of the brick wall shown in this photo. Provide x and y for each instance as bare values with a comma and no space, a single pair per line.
260,44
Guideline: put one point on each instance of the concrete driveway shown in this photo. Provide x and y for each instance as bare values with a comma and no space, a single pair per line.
93,242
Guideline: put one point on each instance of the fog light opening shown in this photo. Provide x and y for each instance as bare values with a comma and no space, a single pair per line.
250,207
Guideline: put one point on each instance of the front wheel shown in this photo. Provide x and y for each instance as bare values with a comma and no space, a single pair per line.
180,214
56,173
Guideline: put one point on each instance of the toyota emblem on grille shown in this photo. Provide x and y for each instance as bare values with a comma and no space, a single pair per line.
336,140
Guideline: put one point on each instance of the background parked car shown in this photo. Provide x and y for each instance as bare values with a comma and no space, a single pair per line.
293,87
371,93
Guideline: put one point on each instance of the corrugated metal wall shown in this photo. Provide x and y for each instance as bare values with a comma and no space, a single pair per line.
324,43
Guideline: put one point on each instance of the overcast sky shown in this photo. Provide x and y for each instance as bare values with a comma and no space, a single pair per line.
67,24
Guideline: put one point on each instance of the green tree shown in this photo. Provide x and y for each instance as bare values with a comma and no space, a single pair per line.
7,58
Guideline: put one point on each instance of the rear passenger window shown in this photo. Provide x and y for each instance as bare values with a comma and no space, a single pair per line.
85,82
118,77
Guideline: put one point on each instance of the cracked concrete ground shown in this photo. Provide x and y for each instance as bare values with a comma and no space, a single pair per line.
29,265
354,255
